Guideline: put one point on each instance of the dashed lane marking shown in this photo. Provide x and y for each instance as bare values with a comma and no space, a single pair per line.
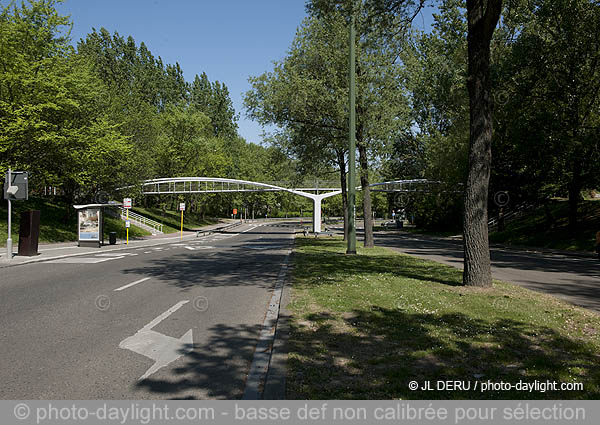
82,260
129,285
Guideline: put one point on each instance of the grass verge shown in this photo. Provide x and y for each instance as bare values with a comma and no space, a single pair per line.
365,326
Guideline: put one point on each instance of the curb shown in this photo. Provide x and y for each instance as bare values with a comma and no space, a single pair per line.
266,375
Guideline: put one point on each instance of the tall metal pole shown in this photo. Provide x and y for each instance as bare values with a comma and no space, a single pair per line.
9,240
352,147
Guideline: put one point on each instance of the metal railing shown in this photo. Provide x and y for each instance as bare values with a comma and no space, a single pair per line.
514,213
153,226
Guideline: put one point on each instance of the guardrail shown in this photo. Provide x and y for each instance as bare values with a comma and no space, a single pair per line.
153,226
512,214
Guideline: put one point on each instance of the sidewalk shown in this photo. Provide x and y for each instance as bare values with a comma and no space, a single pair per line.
54,251
518,248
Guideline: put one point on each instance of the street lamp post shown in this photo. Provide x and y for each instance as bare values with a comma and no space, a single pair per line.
352,145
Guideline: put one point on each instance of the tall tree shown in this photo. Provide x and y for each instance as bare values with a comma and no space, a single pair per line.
307,93
550,118
53,119
482,18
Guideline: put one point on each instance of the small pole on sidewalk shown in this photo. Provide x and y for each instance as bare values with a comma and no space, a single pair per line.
181,237
9,240
127,229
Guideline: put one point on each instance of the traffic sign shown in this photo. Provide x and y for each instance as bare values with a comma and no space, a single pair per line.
235,211
182,206
128,224
127,203
17,188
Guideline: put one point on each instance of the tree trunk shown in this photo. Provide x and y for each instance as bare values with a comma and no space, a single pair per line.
575,187
364,182
482,19
342,164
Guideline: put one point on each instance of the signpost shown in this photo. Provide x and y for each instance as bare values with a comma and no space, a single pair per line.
16,188
127,206
182,209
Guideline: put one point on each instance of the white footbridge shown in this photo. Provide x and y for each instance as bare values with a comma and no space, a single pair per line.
189,185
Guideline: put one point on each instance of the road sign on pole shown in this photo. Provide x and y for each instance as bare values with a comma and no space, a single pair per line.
15,188
127,203
235,211
182,209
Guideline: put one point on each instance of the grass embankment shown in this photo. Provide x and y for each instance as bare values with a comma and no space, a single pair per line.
534,229
365,326
171,220
53,226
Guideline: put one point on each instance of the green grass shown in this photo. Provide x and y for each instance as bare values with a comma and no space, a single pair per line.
364,326
533,229
55,226
171,220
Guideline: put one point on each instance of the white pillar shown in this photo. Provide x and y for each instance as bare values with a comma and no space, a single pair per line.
317,214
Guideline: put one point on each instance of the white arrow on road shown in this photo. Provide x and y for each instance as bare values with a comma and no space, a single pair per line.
161,348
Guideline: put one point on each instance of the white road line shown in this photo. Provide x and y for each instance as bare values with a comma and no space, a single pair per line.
84,260
251,228
189,247
129,285
147,252
164,315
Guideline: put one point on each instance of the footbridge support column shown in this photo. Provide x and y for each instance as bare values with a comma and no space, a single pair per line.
317,214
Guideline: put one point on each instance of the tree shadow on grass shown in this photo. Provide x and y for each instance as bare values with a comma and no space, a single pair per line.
333,262
374,351
376,354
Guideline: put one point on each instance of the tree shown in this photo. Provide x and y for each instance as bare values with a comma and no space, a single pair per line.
306,94
53,119
482,18
550,120
213,100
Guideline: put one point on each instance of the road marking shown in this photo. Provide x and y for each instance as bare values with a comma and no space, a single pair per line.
147,252
247,230
161,348
190,248
129,285
84,260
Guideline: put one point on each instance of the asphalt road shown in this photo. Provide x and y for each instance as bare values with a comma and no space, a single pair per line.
576,280
186,315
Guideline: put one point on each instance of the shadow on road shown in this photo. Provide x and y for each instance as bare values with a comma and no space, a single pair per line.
215,370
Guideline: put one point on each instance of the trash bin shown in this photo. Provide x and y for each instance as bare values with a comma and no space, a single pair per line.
29,233
112,238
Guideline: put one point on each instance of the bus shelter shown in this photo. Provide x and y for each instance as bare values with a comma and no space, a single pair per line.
90,224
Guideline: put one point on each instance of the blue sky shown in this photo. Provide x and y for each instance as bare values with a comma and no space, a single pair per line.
230,40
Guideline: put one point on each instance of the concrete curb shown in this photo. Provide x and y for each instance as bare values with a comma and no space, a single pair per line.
266,362
275,383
